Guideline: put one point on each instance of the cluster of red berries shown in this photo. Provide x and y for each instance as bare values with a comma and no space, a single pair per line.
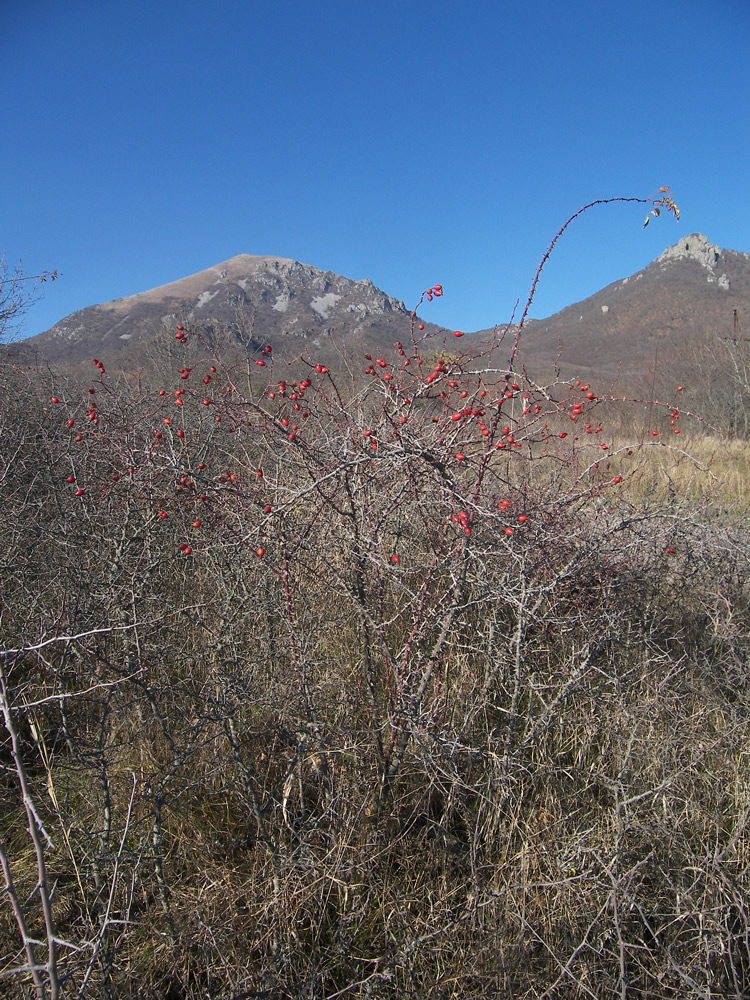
444,374
259,361
463,519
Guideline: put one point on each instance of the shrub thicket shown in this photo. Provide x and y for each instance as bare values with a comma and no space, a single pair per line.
396,686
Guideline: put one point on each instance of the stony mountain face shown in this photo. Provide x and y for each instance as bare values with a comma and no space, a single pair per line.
250,300
694,294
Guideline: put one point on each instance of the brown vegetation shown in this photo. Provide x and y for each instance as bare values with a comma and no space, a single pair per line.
381,707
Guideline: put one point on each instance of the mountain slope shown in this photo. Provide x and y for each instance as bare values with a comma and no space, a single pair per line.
687,297
292,306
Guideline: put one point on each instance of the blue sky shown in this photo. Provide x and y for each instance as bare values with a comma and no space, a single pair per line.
407,142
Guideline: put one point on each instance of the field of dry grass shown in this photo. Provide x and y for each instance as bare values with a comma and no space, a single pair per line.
351,716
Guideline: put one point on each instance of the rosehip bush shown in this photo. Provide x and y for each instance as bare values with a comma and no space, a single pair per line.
389,682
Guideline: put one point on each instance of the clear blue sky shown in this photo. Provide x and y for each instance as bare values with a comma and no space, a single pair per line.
407,142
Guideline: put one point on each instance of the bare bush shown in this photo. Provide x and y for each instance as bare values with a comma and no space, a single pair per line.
390,686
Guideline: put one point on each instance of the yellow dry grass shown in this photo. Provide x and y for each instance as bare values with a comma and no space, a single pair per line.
697,466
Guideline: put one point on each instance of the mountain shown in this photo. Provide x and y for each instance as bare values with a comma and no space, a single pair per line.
693,295
250,300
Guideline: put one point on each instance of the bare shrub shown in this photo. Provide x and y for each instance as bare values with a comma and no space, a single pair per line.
397,686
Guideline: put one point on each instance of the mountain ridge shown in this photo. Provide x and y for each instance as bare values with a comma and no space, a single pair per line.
692,292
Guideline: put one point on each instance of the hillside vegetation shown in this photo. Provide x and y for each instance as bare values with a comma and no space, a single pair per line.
420,684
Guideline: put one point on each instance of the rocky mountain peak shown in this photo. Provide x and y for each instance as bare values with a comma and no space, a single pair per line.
291,305
722,267
695,247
